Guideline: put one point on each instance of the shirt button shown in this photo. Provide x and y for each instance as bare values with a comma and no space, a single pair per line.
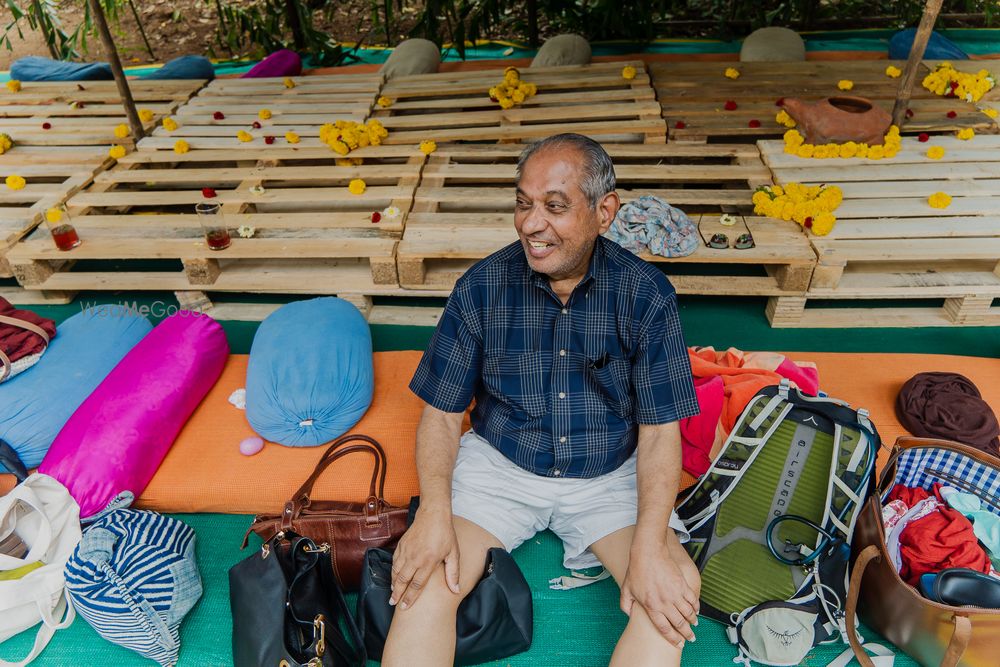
562,394
556,472
564,311
562,439
562,353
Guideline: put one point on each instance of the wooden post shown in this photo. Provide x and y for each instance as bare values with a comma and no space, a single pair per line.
116,69
931,10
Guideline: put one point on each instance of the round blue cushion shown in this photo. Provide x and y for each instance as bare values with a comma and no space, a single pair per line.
310,376
35,405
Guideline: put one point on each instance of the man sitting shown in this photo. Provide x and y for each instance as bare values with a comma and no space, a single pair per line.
573,351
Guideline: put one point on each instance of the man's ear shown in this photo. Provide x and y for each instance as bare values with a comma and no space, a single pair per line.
607,209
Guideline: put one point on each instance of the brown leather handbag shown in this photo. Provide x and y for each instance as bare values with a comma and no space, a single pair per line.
930,632
349,528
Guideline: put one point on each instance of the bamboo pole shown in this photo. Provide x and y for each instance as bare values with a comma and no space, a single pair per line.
931,11
116,68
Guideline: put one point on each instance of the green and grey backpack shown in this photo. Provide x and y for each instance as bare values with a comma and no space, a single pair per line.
772,519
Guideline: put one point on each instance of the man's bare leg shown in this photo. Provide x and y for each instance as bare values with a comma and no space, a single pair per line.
424,634
641,643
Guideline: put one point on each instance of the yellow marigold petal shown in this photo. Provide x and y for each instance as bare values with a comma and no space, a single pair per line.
732,73
935,152
54,215
384,102
244,136
169,124
117,151
628,72
145,115
264,114
15,182
966,133
845,84
356,186
893,72
291,137
181,147
289,83
14,85
121,131
427,147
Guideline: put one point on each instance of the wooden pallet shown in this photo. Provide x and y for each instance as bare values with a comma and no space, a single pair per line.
313,235
463,211
889,244
695,93
53,174
313,101
22,114
592,99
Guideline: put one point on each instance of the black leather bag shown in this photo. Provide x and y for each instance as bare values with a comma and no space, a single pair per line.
494,621
289,611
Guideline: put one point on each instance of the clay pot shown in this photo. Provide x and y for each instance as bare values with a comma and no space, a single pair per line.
839,120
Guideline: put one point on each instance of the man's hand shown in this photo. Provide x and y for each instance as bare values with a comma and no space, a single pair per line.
654,580
424,546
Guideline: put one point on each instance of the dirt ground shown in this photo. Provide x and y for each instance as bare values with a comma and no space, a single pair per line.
185,27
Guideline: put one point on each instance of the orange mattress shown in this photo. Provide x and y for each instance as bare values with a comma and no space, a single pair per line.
204,471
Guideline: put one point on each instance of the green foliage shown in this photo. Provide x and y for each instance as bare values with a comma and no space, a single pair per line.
41,15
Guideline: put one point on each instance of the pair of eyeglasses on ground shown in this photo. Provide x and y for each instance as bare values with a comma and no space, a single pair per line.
721,241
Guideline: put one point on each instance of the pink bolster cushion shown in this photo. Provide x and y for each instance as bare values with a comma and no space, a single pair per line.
117,438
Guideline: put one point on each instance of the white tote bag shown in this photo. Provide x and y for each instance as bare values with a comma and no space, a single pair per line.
47,519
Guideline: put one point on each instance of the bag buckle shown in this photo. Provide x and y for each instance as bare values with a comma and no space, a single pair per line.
321,549
319,633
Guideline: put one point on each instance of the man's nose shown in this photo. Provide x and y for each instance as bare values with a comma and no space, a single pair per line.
534,221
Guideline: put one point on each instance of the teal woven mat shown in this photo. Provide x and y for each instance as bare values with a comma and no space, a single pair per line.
575,628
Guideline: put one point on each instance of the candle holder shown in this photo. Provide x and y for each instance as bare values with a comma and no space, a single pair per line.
213,225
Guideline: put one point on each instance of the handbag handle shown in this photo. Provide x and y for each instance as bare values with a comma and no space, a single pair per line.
22,324
334,452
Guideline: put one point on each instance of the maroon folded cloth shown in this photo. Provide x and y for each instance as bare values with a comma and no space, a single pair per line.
279,63
949,406
16,342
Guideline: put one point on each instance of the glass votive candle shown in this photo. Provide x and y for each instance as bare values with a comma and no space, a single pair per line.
213,225
61,227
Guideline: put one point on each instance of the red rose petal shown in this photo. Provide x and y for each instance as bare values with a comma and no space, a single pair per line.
208,193
46,126
780,102
268,140
951,114
680,125
808,223
909,113
218,115
754,123
954,85
493,99
730,105
256,125
376,216
923,137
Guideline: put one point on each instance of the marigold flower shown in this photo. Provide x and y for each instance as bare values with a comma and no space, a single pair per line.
356,186
181,147
893,72
291,137
14,85
54,215
121,131
966,134
339,147
6,143
169,124
823,223
264,114
289,83
992,113
732,73
939,200
506,102
427,147
628,72
15,182
784,119
935,152
145,115
384,102
845,84
117,151
244,136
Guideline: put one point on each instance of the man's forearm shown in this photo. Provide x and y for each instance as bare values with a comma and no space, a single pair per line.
658,473
437,447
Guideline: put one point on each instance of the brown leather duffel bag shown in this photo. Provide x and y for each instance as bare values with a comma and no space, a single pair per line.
930,632
348,529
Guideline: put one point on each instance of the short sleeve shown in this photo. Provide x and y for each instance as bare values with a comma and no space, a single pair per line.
450,368
661,371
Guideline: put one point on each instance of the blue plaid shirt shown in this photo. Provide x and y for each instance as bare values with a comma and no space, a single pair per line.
560,389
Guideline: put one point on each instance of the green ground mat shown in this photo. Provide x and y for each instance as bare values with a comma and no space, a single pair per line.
576,628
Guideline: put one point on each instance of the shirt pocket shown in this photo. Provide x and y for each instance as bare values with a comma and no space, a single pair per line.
520,380
613,378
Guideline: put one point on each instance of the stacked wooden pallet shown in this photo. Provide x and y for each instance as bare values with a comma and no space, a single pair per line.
889,243
694,96
311,234
595,100
84,113
213,118
463,211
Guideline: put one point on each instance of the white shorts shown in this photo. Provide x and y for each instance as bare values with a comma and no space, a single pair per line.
513,504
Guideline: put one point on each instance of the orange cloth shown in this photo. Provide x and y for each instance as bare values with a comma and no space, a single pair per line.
204,471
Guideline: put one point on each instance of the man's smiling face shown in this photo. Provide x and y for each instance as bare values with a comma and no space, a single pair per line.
554,221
